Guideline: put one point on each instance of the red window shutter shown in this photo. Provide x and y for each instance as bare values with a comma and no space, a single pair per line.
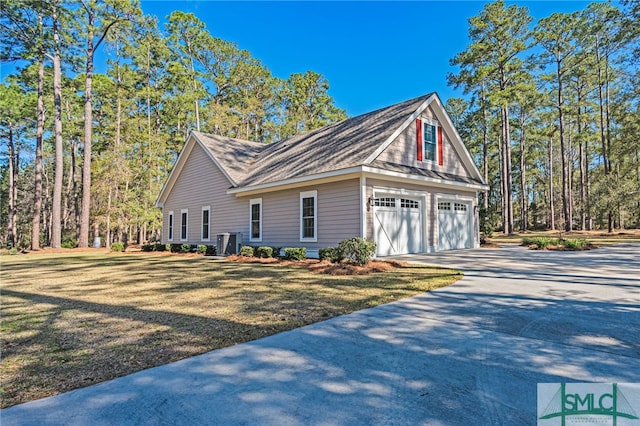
440,159
419,138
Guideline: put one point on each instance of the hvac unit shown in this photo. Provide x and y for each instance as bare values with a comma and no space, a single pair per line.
229,243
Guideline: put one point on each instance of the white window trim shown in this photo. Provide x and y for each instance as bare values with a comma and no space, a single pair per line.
171,226
309,194
208,237
253,202
432,122
187,223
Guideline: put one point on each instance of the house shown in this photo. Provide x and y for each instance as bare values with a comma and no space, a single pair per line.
399,176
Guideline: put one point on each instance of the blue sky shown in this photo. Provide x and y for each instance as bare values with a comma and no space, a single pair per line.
373,54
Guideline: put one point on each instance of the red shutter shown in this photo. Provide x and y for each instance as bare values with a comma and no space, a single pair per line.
419,138
440,159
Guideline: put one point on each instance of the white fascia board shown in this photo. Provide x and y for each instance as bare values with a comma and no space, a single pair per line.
399,130
405,177
463,152
317,179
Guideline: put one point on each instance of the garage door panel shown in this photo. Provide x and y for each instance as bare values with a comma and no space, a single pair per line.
454,225
397,225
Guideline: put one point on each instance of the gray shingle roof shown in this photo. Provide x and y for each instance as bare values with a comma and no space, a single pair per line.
337,146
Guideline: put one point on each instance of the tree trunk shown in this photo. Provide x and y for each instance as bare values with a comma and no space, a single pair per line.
56,231
552,209
11,223
566,196
37,190
523,179
508,186
485,151
83,236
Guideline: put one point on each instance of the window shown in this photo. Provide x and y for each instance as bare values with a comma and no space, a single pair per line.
409,204
385,202
460,207
308,216
184,217
170,227
430,141
444,205
255,219
206,217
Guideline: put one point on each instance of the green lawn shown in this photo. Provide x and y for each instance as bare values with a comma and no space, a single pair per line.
596,237
77,318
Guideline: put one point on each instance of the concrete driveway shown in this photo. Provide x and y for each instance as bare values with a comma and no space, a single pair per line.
471,353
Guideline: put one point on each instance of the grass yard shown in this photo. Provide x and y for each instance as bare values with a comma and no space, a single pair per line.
73,319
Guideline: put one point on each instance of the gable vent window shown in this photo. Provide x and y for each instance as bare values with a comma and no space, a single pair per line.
430,141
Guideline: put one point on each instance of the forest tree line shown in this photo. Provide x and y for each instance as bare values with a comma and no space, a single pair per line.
85,153
551,115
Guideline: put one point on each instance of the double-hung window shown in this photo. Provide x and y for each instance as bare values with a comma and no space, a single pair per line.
206,219
170,227
255,220
429,139
184,224
309,216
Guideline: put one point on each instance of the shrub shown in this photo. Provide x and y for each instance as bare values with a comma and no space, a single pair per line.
275,252
147,247
159,247
295,253
578,244
210,251
246,251
69,243
358,250
264,252
540,242
202,249
13,250
118,246
185,248
332,254
175,248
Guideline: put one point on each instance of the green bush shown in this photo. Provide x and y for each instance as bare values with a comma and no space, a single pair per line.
159,247
117,246
332,254
275,252
264,252
185,248
295,253
69,243
540,242
175,248
358,250
578,244
13,250
246,251
147,247
202,249
211,251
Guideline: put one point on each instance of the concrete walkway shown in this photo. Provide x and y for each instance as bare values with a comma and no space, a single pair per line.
471,353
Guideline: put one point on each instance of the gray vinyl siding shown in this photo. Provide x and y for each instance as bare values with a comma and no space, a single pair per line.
430,209
338,215
201,184
403,150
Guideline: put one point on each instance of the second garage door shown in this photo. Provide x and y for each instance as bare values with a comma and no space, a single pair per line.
454,225
397,225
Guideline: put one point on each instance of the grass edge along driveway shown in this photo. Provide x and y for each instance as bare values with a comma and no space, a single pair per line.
71,320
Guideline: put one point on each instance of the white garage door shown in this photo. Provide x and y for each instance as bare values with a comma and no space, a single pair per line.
454,225
397,225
